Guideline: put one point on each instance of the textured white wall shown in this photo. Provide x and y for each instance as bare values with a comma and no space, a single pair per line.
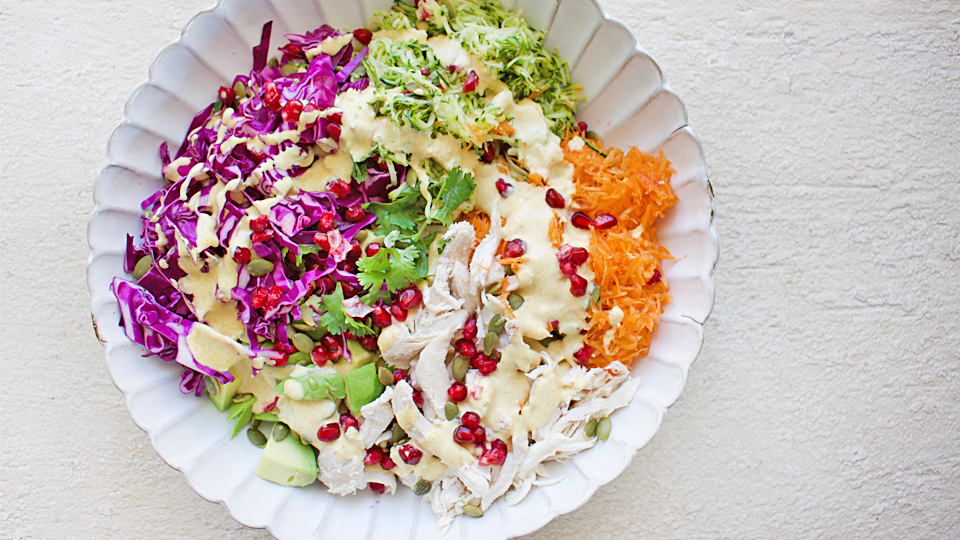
826,401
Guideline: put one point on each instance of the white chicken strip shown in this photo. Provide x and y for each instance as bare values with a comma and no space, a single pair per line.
377,416
431,367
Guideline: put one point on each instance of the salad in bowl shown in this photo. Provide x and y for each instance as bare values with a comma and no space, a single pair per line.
393,256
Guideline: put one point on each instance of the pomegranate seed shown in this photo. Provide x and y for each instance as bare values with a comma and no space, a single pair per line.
410,298
373,456
320,356
568,268
555,199
579,255
425,72
321,240
336,118
339,188
372,249
583,354
368,342
452,68
241,255
381,317
466,348
418,398
327,221
399,375
282,361
273,297
329,432
271,97
327,284
410,455
471,83
475,361
495,455
488,154
259,223
515,248
354,254
262,236
503,187
480,435
655,278
578,285
377,487
463,434
398,313
487,366
259,297
581,220
564,253
333,131
387,463
291,111
355,213
604,221
470,329
269,407
349,421
291,50
363,36
310,107
582,126
226,95
471,420
457,392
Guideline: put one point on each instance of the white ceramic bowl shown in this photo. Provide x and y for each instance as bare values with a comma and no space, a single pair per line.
629,104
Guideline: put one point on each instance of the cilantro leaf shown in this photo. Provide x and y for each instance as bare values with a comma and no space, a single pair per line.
394,266
451,192
335,318
404,213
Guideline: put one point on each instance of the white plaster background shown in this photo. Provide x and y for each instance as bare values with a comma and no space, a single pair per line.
826,401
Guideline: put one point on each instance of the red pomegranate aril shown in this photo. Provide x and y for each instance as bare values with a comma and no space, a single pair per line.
582,126
262,236
568,268
369,343
583,354
363,36
604,221
515,248
339,188
470,329
333,131
329,342
321,240
655,278
417,397
336,118
259,297
581,220
259,223
463,434
410,455
466,347
564,253
310,107
319,356
579,255
349,421
373,456
399,375
282,361
327,284
377,487
503,187
452,68
475,361
241,255
327,221
381,317
329,432
487,366
273,297
355,213
457,392
226,95
425,72
270,406
495,455
555,199
410,298
470,419
271,96
480,435
398,313
471,83
291,111
578,285
372,249
387,463
354,254
488,154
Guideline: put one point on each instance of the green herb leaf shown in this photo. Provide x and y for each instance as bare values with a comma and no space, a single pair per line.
450,193
335,318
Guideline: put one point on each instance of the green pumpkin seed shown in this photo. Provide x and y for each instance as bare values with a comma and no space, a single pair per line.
593,135
257,437
603,428
460,366
142,267
515,301
496,324
472,511
273,62
240,90
398,433
591,430
490,341
595,294
302,342
259,267
212,386
451,411
301,358
290,68
240,398
360,236
342,407
280,431
421,488
385,376
494,289
255,423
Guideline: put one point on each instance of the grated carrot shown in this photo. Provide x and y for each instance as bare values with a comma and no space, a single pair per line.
481,224
635,188
556,231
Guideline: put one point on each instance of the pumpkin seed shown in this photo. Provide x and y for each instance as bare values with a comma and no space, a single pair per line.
290,68
259,267
421,488
142,267
472,511
280,431
490,341
385,376
595,294
240,398
593,135
515,301
496,324
360,236
257,437
342,407
302,342
450,410
301,358
240,90
255,423
273,62
494,289
212,386
603,428
508,270
591,430
398,433
460,366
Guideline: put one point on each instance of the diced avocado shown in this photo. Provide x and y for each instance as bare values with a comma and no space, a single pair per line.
359,355
312,383
222,394
363,386
288,463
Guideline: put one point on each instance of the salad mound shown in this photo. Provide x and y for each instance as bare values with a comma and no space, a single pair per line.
378,245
